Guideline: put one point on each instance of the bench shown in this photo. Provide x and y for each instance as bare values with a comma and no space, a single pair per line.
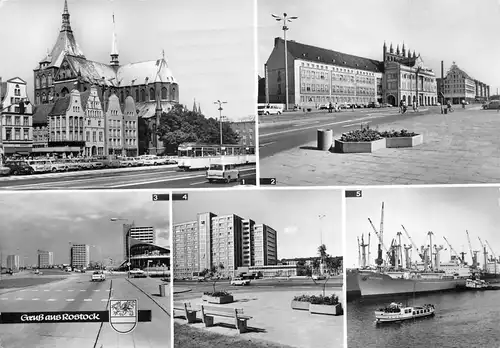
209,312
189,313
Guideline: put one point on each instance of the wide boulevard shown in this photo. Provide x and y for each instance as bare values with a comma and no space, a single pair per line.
190,289
291,130
161,177
75,292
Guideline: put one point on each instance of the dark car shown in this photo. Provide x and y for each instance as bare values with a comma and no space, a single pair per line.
373,105
19,167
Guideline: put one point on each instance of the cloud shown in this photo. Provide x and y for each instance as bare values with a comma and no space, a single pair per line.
291,230
2,2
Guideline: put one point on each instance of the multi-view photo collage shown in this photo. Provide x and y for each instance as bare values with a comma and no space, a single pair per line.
254,174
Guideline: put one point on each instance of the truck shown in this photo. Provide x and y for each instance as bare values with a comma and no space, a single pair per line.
98,276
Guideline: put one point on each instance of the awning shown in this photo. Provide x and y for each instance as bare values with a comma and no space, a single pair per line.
21,150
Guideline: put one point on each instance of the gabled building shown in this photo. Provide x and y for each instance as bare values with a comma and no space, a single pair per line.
94,123
405,76
130,128
40,128
16,125
457,85
65,67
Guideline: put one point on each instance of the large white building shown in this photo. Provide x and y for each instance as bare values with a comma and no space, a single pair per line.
457,85
131,232
16,128
45,258
13,262
80,256
318,76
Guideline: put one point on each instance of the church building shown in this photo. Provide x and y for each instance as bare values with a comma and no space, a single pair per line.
65,68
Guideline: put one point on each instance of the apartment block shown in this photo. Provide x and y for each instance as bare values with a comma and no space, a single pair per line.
265,246
45,258
13,262
144,234
80,256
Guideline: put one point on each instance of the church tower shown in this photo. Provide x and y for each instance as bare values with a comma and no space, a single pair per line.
114,48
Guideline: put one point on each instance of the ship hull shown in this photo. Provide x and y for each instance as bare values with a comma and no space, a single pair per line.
374,284
490,276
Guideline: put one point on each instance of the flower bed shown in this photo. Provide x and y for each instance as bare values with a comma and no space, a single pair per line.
360,140
219,297
328,305
403,138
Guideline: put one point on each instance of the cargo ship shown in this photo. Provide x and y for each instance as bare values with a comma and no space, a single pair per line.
378,284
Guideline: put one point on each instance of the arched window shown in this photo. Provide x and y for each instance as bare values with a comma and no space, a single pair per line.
121,96
49,80
164,93
143,95
37,82
173,94
64,92
17,91
136,95
151,94
37,98
44,81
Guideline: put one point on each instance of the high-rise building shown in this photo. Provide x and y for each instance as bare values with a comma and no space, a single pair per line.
265,246
213,240
80,255
13,262
139,233
45,258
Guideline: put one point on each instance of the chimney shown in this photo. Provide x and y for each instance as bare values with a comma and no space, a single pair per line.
442,69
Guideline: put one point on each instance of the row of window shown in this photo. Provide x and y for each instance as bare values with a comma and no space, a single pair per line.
89,151
17,134
316,100
337,89
46,81
335,68
60,136
17,121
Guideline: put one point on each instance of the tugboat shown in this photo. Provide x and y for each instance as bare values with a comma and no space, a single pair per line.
397,312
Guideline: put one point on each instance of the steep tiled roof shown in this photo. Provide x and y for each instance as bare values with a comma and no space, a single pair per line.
93,72
325,56
137,73
41,112
60,106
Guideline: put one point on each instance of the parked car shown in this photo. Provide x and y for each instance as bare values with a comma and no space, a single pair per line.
39,166
318,277
385,105
323,107
137,273
373,105
222,172
494,104
150,160
270,110
240,281
19,168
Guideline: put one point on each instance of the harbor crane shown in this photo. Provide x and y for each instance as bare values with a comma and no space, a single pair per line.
472,252
399,252
362,252
359,253
437,260
485,254
462,259
380,235
430,234
413,243
407,255
495,260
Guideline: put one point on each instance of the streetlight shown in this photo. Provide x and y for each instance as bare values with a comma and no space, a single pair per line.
220,117
285,20
128,241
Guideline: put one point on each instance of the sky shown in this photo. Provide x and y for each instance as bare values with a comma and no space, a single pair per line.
209,45
293,213
446,211
50,220
450,30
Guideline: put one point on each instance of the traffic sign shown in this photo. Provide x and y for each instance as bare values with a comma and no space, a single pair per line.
128,263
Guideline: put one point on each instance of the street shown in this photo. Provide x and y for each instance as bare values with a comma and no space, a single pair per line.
134,178
256,285
292,130
78,293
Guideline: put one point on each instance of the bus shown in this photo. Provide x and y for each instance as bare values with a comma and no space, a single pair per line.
193,156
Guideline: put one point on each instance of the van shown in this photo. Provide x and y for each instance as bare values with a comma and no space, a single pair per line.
222,172
270,109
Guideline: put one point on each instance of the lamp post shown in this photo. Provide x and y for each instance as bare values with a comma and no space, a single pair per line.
220,117
128,242
285,20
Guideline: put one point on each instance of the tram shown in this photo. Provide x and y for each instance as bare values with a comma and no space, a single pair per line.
194,156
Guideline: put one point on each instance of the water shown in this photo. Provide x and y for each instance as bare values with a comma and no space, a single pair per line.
466,319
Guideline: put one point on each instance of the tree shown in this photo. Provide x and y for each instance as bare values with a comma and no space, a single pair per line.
180,125
315,264
216,274
144,135
333,264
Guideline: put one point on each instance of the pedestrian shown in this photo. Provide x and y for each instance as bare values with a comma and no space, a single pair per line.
401,106
463,104
330,107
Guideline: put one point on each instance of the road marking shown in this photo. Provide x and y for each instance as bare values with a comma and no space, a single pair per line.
46,290
323,125
35,299
87,299
71,290
83,290
198,183
104,300
19,299
4,298
355,124
97,290
51,299
34,290
265,144
70,299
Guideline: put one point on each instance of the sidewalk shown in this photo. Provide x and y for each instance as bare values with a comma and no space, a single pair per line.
274,320
151,288
459,148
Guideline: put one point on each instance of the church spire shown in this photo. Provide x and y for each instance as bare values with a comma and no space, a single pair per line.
194,106
114,47
199,109
66,26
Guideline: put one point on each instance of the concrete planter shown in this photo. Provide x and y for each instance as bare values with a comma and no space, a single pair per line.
404,141
300,305
359,147
218,300
325,309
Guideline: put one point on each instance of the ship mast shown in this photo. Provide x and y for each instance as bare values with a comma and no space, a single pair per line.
359,254
413,243
494,255
462,259
407,256
430,234
399,253
485,253
472,252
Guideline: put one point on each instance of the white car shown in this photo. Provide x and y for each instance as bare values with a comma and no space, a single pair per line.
240,281
318,277
137,273
150,160
98,276
270,110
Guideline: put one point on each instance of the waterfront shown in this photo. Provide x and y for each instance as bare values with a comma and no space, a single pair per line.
463,319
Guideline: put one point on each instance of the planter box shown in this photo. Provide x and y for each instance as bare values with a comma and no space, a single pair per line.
300,305
325,309
359,147
218,300
404,141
